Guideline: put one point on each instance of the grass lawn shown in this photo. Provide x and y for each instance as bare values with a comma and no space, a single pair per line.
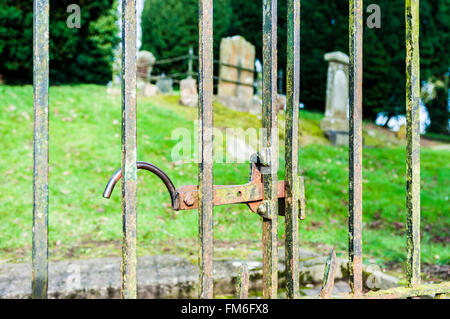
85,149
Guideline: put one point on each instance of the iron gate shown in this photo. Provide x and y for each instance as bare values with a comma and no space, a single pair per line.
263,192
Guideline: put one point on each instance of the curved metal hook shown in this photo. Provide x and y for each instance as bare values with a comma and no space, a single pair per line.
148,167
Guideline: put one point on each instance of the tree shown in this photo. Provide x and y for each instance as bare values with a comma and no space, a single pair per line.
170,27
83,55
438,111
324,28
435,62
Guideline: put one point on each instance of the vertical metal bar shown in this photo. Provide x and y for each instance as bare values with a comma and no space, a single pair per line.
41,145
329,276
243,282
129,179
270,143
205,169
292,187
355,140
413,142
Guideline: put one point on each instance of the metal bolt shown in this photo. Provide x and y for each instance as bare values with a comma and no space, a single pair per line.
264,156
262,209
189,200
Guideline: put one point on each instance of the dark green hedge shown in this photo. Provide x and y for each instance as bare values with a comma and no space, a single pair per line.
82,55
170,27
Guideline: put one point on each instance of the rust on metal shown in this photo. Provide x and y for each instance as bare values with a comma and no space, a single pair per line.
413,142
148,167
205,168
129,179
355,142
407,292
243,282
270,143
293,201
186,197
329,275
41,148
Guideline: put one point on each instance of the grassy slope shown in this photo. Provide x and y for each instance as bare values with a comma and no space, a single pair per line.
85,150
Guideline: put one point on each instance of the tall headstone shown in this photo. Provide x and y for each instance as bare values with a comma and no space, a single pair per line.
237,65
335,123
238,52
145,62
188,92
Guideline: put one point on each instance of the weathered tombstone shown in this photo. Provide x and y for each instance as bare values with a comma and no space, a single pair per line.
149,89
335,123
237,65
145,62
164,84
240,54
188,91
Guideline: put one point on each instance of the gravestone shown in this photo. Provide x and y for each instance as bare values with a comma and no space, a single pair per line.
335,124
237,65
188,92
236,51
164,84
145,62
149,89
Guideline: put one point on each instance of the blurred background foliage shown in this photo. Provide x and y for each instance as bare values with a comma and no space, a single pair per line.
82,55
170,27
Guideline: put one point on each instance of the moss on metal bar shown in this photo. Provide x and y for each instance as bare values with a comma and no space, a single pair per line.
270,142
355,143
413,142
407,292
292,183
129,177
205,169
41,148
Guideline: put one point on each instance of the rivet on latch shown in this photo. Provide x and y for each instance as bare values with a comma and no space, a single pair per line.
189,200
264,156
264,210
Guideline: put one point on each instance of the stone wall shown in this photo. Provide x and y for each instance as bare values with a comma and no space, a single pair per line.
169,277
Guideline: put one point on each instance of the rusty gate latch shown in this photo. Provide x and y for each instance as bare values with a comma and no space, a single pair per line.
186,197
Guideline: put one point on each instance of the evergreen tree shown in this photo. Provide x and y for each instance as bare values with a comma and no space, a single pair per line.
435,61
324,28
76,55
439,111
170,27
